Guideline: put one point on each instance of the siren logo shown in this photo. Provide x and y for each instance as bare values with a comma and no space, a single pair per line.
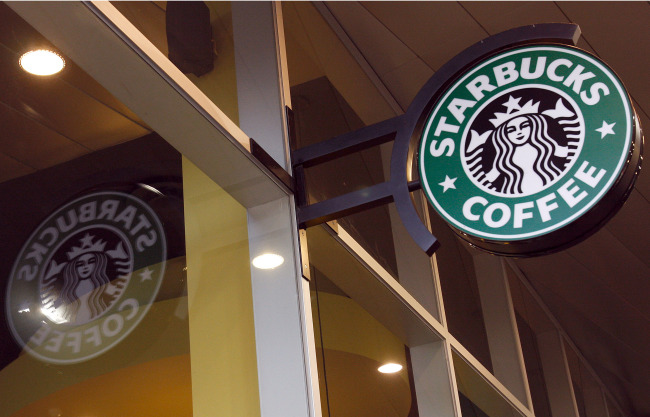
525,142
86,277
525,148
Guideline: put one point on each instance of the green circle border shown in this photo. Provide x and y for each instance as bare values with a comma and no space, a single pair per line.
143,308
424,141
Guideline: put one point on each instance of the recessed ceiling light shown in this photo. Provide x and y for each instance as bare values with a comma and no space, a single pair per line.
42,62
268,261
390,368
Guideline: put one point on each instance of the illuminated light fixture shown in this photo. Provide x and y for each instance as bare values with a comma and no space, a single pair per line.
42,62
268,261
390,368
150,188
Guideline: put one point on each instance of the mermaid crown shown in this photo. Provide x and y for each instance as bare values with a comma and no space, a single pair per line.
87,245
514,110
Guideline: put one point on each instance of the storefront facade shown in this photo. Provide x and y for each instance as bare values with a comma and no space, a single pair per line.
155,263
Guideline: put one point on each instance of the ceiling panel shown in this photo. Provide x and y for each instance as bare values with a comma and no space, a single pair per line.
63,108
571,281
313,33
435,31
405,81
498,16
625,277
18,37
623,369
620,34
32,143
631,227
50,120
382,49
11,168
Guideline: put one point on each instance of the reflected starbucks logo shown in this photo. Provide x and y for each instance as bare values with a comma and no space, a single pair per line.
82,282
86,277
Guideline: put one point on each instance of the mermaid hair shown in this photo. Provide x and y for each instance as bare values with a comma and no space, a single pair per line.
505,150
96,302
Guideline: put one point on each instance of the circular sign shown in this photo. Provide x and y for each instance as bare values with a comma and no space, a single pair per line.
86,277
520,151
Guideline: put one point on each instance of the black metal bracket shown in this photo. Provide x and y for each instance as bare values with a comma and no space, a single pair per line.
404,130
267,160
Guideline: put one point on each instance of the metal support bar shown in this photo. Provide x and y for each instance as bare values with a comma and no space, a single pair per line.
347,143
267,160
345,205
403,130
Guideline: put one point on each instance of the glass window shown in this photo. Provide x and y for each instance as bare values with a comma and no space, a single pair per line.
460,292
477,397
197,37
119,285
588,393
354,345
332,95
531,321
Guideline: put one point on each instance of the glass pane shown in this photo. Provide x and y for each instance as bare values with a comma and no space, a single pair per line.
477,397
197,37
460,292
531,321
588,394
352,343
113,263
96,299
332,95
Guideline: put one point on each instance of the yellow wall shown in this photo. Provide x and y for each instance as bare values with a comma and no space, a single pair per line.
222,336
159,370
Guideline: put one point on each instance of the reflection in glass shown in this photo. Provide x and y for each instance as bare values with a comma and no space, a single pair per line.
588,393
460,292
531,321
477,397
352,350
100,322
104,303
197,37
351,342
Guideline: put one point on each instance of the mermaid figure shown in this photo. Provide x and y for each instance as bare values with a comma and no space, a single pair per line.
80,289
526,158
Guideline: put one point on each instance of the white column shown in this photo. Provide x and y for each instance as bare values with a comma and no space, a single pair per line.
501,326
435,389
262,84
557,375
286,362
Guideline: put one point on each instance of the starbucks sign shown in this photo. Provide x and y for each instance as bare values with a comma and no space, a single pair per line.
530,149
86,277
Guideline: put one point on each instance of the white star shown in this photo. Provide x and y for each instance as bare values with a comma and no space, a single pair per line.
448,183
512,104
87,240
606,129
145,275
